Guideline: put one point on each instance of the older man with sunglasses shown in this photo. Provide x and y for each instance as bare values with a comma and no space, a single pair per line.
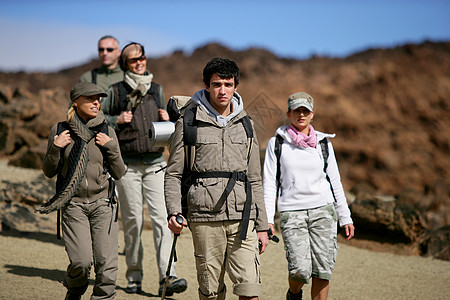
109,72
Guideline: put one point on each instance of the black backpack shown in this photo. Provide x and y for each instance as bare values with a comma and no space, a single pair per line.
325,153
94,75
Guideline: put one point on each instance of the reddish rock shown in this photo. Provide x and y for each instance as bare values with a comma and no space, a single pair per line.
389,108
436,243
384,216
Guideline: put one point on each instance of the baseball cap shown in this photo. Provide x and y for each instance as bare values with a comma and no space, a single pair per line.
85,89
300,99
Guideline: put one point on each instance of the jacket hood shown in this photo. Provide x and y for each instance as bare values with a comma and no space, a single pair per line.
282,131
237,105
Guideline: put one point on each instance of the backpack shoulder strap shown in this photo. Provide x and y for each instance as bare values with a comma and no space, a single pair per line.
250,136
278,142
105,129
123,92
94,73
155,91
325,153
324,146
190,125
62,126
247,126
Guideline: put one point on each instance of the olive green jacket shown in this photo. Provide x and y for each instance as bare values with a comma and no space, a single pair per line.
94,185
105,77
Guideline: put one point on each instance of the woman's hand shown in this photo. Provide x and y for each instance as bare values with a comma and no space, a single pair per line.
63,139
125,117
101,139
349,231
163,115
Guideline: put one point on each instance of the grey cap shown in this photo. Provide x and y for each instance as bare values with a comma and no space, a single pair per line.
300,99
85,89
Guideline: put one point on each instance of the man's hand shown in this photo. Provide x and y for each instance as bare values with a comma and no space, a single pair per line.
63,139
263,240
125,117
349,231
174,226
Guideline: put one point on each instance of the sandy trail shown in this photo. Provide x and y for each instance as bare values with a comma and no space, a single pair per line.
32,266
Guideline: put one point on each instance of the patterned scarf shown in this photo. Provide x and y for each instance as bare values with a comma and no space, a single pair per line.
78,159
302,140
140,85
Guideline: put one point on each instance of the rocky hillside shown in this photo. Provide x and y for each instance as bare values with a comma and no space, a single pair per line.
390,109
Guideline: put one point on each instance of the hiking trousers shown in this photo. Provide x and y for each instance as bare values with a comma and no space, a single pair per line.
219,249
142,184
91,237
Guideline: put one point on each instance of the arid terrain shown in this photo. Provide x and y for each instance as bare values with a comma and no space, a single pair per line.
33,263
390,109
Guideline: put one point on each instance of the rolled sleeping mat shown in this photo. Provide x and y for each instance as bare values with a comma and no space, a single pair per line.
160,133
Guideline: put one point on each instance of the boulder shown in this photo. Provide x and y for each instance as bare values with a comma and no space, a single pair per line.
17,203
436,243
29,157
6,142
384,216
20,108
6,93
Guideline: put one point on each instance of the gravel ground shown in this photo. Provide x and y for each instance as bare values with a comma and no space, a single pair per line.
32,266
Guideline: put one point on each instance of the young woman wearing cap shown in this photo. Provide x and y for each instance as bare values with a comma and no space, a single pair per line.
310,198
81,155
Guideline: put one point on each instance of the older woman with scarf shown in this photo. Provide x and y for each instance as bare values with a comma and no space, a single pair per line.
310,198
81,152
130,107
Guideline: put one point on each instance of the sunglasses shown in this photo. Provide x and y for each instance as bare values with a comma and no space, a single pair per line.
136,59
107,49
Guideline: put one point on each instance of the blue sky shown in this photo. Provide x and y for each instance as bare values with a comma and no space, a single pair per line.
49,35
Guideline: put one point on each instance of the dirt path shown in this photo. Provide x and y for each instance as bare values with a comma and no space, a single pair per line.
32,267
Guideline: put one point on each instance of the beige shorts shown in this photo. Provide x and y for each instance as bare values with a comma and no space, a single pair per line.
218,248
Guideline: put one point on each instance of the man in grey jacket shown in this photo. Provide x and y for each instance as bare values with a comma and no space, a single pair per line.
226,211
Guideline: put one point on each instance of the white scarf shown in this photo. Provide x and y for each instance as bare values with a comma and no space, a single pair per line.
140,85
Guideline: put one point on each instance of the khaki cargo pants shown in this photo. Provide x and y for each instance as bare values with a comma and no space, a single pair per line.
88,234
218,248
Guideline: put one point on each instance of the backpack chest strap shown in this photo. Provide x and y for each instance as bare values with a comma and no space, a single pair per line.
233,177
